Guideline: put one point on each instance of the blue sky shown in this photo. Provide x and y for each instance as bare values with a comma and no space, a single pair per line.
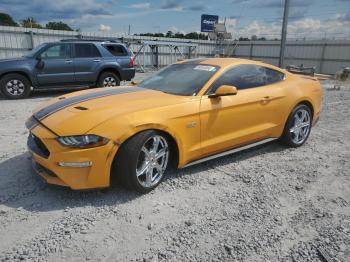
308,18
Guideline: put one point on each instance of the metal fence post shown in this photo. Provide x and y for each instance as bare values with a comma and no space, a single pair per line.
31,34
251,50
322,57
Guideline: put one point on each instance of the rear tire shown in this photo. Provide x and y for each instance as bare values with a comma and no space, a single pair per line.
108,79
298,126
14,86
142,161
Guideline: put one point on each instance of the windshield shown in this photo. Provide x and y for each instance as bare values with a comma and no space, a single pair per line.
34,51
180,79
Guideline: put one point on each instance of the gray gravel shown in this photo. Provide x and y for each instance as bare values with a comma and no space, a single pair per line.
269,203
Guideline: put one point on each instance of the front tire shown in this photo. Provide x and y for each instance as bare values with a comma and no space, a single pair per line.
14,86
107,79
142,161
298,126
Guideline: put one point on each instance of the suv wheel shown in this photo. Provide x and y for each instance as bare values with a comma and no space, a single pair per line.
108,79
14,86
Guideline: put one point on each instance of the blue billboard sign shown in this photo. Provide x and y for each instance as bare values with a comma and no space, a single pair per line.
207,22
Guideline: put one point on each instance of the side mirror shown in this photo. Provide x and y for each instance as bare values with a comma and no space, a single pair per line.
224,90
40,64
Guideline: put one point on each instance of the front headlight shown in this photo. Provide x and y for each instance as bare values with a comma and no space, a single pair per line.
83,141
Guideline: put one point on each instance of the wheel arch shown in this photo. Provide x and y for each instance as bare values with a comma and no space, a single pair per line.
109,69
173,138
303,101
23,73
174,146
308,104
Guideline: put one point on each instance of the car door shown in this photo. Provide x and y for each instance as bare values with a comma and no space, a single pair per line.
246,117
87,60
57,65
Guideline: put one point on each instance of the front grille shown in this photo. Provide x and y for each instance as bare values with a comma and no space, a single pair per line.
37,146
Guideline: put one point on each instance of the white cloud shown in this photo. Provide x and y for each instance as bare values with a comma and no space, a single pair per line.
230,24
304,28
141,6
104,28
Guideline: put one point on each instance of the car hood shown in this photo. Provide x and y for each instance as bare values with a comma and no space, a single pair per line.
79,112
17,59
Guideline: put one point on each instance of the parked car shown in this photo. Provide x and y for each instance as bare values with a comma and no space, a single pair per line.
63,64
189,112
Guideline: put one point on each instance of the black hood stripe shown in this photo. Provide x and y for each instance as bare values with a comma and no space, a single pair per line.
46,111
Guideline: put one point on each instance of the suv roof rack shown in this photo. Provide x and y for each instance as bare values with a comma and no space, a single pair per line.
114,40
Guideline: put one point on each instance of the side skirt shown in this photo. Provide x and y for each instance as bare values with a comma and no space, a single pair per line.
231,151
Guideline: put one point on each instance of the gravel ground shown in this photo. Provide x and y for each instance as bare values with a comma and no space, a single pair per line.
268,203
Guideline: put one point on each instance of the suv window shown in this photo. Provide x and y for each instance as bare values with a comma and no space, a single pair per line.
248,76
59,51
116,50
86,50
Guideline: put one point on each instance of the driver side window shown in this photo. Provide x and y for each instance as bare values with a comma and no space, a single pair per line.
59,51
247,76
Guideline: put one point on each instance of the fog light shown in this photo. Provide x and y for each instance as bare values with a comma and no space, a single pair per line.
75,164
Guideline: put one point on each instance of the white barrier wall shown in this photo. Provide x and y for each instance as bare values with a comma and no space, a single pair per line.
327,55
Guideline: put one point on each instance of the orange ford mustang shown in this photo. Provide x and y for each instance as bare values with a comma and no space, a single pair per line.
189,112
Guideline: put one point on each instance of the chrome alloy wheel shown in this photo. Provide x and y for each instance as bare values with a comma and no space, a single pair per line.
15,87
109,81
301,126
152,161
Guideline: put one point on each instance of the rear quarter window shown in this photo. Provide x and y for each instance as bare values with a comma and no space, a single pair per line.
116,50
273,76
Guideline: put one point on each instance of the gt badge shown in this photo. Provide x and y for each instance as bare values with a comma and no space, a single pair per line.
191,125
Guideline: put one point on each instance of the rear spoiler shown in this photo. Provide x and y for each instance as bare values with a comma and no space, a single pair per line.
301,70
307,72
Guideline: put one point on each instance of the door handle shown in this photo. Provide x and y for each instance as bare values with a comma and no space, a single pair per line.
97,60
266,98
68,61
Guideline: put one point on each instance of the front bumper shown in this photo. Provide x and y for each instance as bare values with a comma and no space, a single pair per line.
47,153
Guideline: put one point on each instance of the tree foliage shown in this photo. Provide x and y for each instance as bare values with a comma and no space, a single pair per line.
7,20
58,26
30,22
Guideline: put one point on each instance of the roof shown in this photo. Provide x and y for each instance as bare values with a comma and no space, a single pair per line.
224,62
91,41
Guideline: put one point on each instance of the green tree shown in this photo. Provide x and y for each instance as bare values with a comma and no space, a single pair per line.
30,22
169,34
58,26
254,37
179,35
7,20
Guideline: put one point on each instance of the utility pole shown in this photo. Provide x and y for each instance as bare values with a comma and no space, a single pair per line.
284,33
129,31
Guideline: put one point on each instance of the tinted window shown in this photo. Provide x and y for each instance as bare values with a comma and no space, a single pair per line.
180,79
58,51
116,50
248,76
273,76
86,50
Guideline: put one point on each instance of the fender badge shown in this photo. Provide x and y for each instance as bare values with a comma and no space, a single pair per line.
191,125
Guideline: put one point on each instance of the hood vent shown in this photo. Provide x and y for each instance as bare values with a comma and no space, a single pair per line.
81,108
